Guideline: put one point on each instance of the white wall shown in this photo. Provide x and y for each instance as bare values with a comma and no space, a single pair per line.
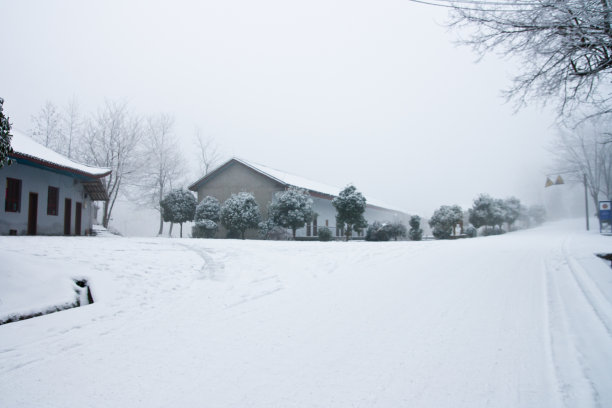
37,180
327,212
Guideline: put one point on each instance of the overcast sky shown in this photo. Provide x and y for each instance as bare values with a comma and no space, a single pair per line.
373,93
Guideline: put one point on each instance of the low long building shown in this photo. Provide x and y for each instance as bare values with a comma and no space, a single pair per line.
237,175
47,193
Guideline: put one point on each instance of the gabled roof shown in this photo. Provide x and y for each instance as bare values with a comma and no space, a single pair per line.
25,147
287,180
31,153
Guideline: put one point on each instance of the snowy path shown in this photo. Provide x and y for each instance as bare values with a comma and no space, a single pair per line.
521,320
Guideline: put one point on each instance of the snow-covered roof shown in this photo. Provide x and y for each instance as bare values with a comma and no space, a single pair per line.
288,179
26,148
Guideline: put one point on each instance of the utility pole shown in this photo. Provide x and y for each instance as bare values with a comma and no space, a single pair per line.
586,200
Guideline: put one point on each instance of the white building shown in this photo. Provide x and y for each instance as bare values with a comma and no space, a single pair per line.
47,193
263,182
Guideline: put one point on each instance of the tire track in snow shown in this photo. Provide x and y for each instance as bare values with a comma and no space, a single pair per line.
573,384
578,329
599,304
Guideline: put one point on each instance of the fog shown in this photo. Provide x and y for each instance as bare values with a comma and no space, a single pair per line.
371,93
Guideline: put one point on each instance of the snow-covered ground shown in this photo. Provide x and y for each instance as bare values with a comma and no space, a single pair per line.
520,320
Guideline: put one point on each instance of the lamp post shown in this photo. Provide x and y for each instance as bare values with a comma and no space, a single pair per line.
559,180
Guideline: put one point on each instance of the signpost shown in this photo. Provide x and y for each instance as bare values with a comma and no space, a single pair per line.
605,217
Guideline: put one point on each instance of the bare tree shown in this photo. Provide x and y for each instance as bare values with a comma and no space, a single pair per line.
110,140
207,152
164,163
47,128
71,126
583,154
565,47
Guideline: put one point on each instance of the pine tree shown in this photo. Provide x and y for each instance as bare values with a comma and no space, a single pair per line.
239,213
5,138
415,233
350,206
291,209
178,206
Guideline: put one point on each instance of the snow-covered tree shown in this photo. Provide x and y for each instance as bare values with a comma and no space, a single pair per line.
324,234
471,231
537,214
486,211
377,231
239,213
48,127
444,220
5,137
208,209
350,206
206,151
71,126
204,229
291,208
163,165
268,229
415,233
110,140
584,153
512,210
178,206
565,47
207,215
396,230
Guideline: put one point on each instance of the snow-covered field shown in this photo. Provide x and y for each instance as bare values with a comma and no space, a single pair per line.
520,320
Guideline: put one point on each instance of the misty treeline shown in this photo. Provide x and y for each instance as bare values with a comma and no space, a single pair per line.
488,214
584,154
143,151
564,46
565,49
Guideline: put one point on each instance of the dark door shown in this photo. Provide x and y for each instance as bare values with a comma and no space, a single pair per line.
32,214
67,215
77,219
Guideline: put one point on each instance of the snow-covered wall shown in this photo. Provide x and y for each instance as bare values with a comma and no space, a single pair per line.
36,180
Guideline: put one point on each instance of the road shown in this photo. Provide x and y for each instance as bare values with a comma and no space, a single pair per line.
520,320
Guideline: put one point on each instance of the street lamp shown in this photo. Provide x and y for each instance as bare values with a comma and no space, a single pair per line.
559,180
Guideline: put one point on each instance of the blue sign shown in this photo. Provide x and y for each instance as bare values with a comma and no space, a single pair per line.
605,211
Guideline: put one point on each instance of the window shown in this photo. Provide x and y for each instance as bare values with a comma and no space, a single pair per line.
13,195
52,200
314,227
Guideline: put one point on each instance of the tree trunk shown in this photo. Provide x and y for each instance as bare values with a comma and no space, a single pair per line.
293,231
170,232
181,224
242,234
105,215
161,224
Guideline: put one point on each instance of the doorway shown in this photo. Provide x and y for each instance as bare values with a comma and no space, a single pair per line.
32,213
77,219
67,215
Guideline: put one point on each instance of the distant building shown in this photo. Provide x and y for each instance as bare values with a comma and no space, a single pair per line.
238,175
47,193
